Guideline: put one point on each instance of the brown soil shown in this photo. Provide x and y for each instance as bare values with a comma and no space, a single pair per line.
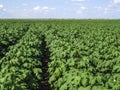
44,85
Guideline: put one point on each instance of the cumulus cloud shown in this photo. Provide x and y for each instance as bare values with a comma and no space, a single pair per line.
81,10
36,8
2,8
43,9
111,6
116,1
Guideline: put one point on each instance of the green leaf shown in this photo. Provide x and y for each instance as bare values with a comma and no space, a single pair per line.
84,82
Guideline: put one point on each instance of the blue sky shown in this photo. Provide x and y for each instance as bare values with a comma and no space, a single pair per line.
60,9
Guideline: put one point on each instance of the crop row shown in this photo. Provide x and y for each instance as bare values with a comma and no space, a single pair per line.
84,58
20,68
9,35
84,55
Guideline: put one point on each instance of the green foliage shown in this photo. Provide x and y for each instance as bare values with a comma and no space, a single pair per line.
10,34
84,54
20,67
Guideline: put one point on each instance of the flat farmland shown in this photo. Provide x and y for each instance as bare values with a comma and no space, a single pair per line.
59,54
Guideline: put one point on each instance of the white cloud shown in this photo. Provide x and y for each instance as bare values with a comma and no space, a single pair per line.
1,6
47,9
116,1
36,8
2,10
78,0
81,10
43,9
112,6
